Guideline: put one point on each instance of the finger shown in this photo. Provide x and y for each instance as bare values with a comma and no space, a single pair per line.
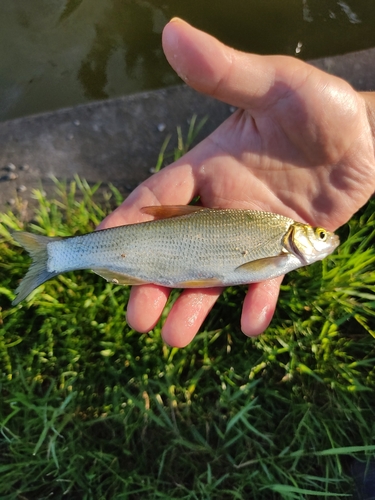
146,302
145,306
259,306
235,77
187,315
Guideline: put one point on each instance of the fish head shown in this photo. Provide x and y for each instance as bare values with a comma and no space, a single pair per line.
309,243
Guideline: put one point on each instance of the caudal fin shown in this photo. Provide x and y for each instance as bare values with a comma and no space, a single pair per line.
37,274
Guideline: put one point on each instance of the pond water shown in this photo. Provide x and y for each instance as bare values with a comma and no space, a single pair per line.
58,53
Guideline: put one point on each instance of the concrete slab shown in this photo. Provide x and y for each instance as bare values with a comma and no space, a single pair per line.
119,140
358,68
115,141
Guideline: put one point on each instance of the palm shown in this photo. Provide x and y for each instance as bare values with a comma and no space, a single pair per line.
267,161
299,144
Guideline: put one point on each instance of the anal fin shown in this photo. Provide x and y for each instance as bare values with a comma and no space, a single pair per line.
118,278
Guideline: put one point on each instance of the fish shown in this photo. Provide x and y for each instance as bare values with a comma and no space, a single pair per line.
183,247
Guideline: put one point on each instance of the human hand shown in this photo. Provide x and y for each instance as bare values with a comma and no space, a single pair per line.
300,144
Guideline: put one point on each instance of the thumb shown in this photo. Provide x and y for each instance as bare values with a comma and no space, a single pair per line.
209,66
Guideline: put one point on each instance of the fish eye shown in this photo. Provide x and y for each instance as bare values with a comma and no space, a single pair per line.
321,233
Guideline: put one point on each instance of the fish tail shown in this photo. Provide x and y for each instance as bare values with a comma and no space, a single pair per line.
38,273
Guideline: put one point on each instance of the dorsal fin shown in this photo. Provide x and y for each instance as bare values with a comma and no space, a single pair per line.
168,211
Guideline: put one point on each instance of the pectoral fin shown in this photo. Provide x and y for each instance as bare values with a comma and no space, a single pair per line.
262,269
118,278
169,211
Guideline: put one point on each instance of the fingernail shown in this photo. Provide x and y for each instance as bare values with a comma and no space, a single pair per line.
176,20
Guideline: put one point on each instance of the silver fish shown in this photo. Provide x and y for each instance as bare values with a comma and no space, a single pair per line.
186,247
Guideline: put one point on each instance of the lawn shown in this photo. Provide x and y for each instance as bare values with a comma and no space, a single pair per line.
91,409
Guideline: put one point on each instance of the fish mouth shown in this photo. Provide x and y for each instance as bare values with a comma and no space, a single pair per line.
292,247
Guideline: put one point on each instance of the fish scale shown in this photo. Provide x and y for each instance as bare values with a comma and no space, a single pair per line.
199,248
212,238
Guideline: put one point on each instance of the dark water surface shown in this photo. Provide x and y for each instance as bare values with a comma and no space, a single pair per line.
58,53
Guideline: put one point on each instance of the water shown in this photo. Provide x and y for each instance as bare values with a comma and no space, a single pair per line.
58,53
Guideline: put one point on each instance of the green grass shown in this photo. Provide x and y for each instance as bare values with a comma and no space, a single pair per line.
91,409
